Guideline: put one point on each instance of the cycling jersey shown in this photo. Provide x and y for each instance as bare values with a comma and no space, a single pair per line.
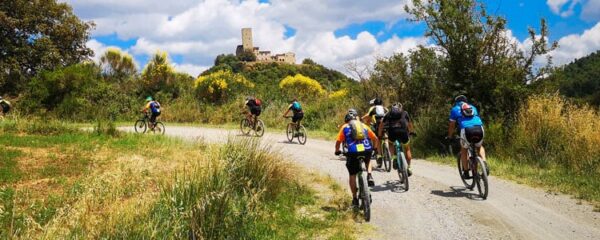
295,107
377,112
463,121
356,146
153,106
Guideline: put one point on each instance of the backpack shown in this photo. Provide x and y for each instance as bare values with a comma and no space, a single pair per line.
379,111
156,104
398,118
357,130
258,102
296,106
467,110
5,106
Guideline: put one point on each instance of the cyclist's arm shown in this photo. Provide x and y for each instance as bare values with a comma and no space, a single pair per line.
340,138
373,138
287,111
451,128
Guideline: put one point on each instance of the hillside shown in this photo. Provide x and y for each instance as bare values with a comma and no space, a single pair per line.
581,79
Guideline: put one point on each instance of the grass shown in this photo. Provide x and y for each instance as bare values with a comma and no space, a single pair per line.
555,179
99,185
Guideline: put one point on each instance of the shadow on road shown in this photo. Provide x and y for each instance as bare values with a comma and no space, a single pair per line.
393,186
456,192
288,142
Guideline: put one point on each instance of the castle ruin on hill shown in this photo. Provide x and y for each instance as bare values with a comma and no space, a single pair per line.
261,56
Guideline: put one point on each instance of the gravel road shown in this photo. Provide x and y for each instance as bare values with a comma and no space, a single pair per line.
437,206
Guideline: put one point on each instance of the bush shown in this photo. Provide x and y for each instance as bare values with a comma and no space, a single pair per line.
220,86
301,86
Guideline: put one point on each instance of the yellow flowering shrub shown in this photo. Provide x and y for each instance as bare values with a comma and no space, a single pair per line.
339,94
217,87
301,86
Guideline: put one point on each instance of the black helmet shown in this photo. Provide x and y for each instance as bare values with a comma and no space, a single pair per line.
353,112
349,117
378,101
460,98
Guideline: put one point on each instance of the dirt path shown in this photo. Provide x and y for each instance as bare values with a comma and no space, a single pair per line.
437,205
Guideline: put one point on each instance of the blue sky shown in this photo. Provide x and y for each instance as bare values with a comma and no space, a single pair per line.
331,32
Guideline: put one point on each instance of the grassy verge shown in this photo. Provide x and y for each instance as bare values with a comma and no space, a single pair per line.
57,182
554,179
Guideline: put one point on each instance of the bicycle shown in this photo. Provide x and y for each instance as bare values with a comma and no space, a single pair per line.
364,195
402,165
142,124
296,130
247,125
387,155
478,170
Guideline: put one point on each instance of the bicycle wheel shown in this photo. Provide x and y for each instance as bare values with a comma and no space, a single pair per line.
289,132
260,128
403,171
140,126
365,197
302,135
469,183
159,128
245,126
480,177
387,156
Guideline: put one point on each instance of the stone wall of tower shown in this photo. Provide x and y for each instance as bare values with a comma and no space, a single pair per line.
247,39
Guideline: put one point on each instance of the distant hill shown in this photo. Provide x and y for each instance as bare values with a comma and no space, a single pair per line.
268,75
581,79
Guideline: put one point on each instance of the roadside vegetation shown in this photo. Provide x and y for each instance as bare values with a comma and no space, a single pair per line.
59,182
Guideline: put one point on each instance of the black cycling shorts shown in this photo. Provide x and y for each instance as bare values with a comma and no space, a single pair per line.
474,135
154,116
297,117
255,111
353,163
398,134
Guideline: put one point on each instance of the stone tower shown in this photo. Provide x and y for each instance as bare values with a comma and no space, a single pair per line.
247,39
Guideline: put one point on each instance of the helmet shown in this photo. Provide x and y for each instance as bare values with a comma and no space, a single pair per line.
349,117
372,102
353,112
460,98
148,99
378,101
294,100
398,105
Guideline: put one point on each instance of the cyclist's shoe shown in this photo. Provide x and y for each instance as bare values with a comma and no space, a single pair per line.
370,180
409,170
379,161
355,203
466,174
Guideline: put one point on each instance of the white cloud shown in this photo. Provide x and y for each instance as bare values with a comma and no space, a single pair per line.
199,31
591,11
557,6
577,45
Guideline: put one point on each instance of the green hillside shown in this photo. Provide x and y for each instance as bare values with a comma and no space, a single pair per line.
581,79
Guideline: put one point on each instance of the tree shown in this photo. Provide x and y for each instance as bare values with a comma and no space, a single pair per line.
301,86
159,75
220,86
38,35
481,59
117,65
247,56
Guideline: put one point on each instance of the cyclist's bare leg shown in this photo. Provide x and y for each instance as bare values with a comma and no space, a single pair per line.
392,148
352,182
369,165
463,158
482,153
408,153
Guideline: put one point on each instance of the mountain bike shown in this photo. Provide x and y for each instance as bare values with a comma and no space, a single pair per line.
296,130
387,155
402,165
364,195
478,169
143,124
247,125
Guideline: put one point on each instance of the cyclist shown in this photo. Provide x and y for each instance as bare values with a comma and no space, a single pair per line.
373,118
356,148
254,109
399,126
296,108
4,106
466,117
154,107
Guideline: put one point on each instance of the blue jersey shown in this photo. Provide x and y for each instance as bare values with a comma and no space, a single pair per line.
463,121
356,146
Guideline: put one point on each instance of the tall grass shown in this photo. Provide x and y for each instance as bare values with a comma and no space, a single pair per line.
551,131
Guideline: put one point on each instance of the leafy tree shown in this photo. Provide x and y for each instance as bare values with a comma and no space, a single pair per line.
481,60
247,56
389,78
580,79
117,65
159,75
38,35
220,86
